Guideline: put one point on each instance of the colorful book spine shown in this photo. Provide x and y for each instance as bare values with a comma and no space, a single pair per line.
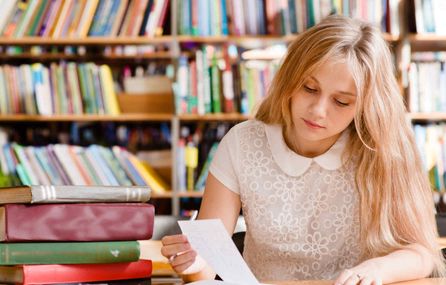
215,79
71,273
77,222
69,252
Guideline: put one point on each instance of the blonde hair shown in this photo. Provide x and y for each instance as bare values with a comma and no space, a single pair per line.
396,205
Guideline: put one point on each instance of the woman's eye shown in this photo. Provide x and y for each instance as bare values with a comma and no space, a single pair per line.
340,103
309,89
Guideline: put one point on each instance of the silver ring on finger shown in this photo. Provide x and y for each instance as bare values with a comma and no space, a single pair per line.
172,257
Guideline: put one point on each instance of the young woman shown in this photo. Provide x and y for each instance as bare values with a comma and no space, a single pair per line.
327,175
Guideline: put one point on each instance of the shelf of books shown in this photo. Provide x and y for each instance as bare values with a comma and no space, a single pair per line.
102,21
99,41
426,90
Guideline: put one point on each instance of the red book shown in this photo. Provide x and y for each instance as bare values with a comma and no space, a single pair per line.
68,273
76,222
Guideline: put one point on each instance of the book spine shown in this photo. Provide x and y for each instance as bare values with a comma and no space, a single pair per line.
7,12
125,163
206,82
111,101
49,169
74,194
113,164
68,252
87,222
93,150
41,274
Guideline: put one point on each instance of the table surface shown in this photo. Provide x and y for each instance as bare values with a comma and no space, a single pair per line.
426,281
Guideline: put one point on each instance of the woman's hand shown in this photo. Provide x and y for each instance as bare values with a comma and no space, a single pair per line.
180,254
366,273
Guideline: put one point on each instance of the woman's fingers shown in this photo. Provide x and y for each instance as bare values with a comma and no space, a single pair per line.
167,240
173,249
174,245
353,280
343,277
183,260
184,257
366,281
182,267
180,254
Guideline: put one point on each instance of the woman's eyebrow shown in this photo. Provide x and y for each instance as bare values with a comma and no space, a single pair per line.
346,93
339,91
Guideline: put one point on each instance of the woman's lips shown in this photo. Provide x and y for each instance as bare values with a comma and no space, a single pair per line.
312,125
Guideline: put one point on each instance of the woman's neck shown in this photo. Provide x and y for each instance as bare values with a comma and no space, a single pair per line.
308,148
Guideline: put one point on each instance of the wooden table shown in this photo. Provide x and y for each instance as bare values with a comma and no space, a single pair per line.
426,281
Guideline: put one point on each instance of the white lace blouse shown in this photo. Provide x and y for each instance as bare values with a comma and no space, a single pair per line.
301,213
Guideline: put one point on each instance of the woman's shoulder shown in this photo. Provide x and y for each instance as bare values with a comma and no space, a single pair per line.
248,129
247,125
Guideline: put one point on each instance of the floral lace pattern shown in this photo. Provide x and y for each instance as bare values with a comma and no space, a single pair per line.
298,227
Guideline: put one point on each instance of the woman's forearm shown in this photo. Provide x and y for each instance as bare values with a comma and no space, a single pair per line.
412,262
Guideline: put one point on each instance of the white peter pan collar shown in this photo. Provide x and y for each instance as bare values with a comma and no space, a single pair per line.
294,164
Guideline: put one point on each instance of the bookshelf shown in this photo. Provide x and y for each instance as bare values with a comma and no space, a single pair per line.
168,46
423,69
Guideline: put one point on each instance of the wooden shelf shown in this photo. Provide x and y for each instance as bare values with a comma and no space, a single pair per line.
263,39
235,39
90,57
105,41
86,118
215,117
427,116
427,42
155,55
124,117
391,38
170,194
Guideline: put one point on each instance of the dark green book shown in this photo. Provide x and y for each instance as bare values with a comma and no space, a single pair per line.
215,80
68,252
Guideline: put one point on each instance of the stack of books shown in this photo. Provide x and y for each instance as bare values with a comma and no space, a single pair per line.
71,234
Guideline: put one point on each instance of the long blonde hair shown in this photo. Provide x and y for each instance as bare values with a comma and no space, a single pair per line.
396,205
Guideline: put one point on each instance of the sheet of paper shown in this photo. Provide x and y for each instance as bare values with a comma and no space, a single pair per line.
213,243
